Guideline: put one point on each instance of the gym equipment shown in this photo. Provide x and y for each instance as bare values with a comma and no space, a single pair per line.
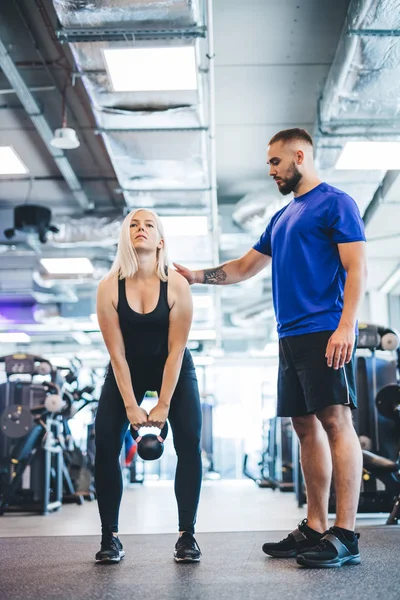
31,465
207,438
376,337
150,446
388,401
16,421
276,464
79,464
381,468
38,455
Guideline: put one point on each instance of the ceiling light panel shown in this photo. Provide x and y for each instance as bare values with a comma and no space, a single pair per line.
151,69
185,226
67,266
370,156
10,162
17,337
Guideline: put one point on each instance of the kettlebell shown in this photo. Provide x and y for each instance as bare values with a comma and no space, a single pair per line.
150,446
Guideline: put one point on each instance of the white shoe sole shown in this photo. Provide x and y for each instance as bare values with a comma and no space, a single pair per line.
105,561
186,560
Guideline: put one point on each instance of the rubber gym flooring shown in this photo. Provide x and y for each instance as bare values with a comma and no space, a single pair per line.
233,567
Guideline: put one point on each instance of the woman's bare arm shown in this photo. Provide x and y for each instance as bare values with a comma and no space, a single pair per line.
109,325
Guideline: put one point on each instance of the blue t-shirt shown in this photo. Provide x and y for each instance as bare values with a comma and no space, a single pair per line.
307,275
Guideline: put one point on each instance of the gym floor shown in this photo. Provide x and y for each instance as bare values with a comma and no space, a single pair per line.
52,557
226,505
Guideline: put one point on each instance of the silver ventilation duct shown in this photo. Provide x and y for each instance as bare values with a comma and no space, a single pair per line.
254,211
86,232
122,13
362,91
360,102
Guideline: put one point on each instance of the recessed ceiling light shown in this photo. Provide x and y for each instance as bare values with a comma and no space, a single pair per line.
151,69
202,301
10,162
15,337
202,334
67,266
82,338
370,156
391,282
185,226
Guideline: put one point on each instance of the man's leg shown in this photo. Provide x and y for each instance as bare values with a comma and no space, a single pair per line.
317,468
347,462
316,462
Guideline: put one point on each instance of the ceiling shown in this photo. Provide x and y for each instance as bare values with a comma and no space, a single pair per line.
262,65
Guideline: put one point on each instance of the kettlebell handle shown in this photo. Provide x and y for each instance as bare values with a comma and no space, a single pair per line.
161,437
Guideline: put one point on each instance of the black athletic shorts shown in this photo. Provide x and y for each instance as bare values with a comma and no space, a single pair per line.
305,382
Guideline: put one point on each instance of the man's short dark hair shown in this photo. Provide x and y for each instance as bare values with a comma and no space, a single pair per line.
291,135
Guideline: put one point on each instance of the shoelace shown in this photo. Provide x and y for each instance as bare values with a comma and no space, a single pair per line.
109,541
323,545
186,543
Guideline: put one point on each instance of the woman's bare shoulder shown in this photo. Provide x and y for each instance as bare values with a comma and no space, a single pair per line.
176,280
108,284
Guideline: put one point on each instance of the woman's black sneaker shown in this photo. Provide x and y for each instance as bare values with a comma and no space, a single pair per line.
334,550
187,549
299,540
111,550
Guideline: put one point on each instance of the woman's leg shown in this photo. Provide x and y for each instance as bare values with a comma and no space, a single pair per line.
110,427
185,419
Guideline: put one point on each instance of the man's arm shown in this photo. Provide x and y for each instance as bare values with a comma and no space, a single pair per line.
354,260
230,272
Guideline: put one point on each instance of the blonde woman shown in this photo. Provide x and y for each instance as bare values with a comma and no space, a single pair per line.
145,313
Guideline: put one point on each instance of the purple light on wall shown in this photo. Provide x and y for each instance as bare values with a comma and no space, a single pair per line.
16,313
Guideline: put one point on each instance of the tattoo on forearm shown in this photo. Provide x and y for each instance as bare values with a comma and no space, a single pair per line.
215,276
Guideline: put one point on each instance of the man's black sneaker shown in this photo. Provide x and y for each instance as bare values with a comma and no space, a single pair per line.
299,540
187,549
111,550
334,550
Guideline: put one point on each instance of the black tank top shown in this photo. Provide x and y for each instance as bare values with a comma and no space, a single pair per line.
145,335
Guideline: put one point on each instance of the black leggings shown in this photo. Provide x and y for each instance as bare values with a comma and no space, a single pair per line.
111,425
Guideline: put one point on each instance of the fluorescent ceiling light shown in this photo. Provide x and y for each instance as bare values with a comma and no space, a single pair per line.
151,69
14,337
58,361
203,361
200,301
67,266
184,226
370,156
82,338
391,282
202,334
10,162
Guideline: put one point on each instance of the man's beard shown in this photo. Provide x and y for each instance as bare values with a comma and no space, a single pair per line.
290,183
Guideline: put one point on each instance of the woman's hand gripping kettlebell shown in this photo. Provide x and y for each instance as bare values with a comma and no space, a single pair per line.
138,417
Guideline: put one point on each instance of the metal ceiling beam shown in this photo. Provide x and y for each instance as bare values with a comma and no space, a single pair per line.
385,194
106,130
108,34
34,111
375,32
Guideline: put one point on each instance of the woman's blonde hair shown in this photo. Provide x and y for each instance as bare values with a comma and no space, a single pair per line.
126,263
